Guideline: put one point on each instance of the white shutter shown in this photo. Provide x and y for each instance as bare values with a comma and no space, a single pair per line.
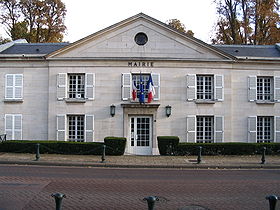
277,129
90,86
9,126
9,89
126,86
191,129
18,85
277,89
219,129
61,86
89,128
219,87
61,127
252,88
13,126
156,82
252,129
18,127
191,87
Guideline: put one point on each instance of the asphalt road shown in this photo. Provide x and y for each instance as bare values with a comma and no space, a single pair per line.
30,187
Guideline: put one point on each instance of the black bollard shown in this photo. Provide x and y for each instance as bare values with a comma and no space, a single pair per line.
151,201
58,200
37,152
199,155
272,201
103,154
263,155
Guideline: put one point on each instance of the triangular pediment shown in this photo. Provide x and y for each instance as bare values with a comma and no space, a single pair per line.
118,41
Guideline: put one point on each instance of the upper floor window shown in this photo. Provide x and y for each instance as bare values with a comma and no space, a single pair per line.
14,86
264,89
75,86
205,88
131,81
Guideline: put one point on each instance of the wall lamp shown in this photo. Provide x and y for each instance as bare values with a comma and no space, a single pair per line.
168,110
112,110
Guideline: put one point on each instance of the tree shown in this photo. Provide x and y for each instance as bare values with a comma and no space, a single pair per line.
34,20
4,40
175,23
247,22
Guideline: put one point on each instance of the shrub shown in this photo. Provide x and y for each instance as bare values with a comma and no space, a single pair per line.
167,145
115,145
53,147
228,148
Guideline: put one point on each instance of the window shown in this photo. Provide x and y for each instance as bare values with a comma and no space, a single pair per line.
204,129
13,126
128,79
264,129
205,90
14,87
264,88
75,86
145,79
76,128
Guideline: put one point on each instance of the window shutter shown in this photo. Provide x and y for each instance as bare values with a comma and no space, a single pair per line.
277,89
18,79
9,90
89,128
9,126
219,129
126,86
18,127
61,86
61,127
252,88
219,87
191,87
191,129
277,129
156,82
252,129
90,86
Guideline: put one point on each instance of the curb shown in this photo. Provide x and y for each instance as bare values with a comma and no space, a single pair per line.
108,165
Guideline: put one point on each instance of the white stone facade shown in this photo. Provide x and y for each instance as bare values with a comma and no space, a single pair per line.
177,62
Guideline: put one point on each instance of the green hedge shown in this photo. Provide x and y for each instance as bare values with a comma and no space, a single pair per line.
228,148
167,145
115,145
53,147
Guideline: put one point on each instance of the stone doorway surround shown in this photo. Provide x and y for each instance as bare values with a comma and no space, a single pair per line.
141,109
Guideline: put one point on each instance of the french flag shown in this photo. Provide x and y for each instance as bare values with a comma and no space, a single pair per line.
151,89
134,91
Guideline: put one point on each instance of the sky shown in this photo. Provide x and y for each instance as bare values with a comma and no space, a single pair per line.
85,17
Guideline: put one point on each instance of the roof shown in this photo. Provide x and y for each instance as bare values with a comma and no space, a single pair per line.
264,51
33,48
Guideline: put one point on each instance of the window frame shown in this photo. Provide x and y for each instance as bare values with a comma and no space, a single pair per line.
261,87
202,134
204,89
76,119
14,87
73,83
263,130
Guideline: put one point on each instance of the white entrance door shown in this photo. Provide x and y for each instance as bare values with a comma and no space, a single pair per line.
140,135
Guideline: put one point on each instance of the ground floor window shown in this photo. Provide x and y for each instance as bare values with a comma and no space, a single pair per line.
76,128
205,129
264,129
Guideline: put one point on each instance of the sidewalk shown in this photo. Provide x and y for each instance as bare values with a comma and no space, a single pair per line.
130,161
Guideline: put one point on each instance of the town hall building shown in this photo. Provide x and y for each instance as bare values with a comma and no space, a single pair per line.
83,91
